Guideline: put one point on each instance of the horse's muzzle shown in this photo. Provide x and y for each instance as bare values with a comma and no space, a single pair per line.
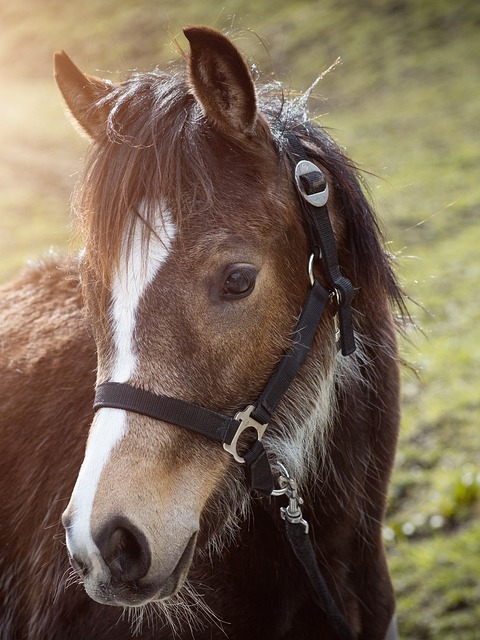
122,572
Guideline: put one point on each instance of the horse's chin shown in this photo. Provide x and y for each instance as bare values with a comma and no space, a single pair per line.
145,591
132,596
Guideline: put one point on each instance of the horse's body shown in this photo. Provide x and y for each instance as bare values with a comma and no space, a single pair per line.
198,303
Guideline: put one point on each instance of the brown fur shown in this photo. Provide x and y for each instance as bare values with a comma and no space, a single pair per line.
197,143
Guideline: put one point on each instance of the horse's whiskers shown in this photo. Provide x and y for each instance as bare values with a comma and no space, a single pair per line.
187,608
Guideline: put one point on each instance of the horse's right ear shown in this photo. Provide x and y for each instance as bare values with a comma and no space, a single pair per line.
81,93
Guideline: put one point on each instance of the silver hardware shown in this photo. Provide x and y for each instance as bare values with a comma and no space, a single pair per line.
246,422
279,492
282,480
310,269
337,327
318,199
288,487
337,296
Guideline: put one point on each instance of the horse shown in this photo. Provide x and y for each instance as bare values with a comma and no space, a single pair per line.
191,287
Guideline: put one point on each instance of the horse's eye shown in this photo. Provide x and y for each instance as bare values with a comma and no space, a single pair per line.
240,281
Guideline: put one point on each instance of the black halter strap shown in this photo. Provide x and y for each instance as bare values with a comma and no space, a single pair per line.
311,184
312,190
212,425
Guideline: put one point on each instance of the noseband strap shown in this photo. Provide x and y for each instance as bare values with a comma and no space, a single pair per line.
312,190
212,425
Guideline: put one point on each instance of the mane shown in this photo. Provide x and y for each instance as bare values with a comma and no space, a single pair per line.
158,143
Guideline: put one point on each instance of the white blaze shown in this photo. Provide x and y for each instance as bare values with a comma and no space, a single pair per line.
136,272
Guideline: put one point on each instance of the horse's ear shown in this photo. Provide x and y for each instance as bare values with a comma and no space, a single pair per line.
81,93
221,81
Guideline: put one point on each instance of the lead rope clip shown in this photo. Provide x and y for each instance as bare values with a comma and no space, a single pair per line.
288,487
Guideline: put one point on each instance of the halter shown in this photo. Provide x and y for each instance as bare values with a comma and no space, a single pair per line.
312,190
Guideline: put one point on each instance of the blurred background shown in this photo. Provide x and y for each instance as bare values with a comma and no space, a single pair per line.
405,102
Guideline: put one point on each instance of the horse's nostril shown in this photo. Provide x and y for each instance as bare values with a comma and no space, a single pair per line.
125,553
125,550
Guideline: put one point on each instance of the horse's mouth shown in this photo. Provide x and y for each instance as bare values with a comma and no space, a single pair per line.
141,592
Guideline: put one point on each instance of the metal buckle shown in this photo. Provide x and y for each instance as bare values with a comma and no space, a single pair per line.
303,168
246,422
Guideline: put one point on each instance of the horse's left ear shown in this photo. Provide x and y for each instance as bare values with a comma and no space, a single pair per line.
221,81
82,93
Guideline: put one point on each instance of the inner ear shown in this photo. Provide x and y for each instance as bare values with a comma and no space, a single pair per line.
221,81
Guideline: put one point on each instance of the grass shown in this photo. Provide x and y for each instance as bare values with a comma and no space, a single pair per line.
405,104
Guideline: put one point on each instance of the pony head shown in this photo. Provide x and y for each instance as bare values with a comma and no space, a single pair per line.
194,273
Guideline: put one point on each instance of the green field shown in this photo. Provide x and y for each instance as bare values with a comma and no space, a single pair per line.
405,102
